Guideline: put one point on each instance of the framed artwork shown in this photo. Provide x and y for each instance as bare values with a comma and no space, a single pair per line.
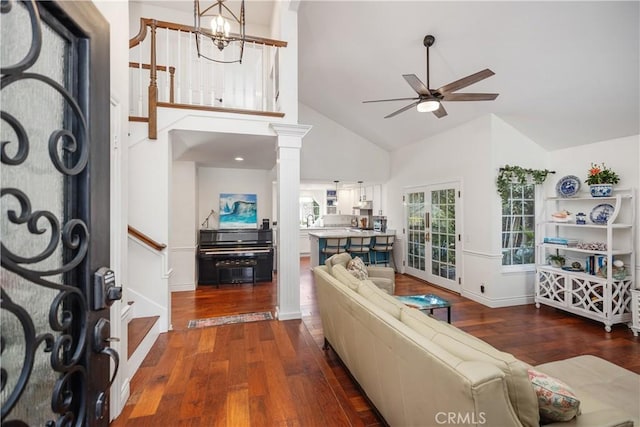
238,210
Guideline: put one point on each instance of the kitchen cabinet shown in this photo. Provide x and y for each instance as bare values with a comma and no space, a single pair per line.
305,245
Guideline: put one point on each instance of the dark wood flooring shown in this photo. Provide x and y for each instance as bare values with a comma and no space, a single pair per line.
274,373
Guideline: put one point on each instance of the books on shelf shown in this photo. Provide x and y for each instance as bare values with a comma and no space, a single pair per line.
594,264
561,241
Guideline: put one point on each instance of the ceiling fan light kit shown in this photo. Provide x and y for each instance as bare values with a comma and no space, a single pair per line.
428,106
430,100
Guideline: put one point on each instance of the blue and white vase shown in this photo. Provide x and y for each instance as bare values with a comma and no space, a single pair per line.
601,190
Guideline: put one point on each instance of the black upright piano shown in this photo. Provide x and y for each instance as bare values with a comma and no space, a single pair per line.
220,245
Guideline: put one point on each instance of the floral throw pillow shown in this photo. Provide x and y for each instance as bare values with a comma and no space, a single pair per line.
357,268
556,400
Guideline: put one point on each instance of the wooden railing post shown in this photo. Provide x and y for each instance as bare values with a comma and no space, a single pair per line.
172,75
153,86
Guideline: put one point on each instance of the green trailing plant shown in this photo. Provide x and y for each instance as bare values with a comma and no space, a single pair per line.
518,175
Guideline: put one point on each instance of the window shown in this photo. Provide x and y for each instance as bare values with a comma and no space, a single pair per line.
309,210
518,225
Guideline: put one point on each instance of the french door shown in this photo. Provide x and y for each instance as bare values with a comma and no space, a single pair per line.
54,205
433,234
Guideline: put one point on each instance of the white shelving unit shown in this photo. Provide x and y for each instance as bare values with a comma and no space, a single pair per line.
635,309
596,296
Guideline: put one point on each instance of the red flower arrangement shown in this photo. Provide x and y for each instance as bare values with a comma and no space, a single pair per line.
600,174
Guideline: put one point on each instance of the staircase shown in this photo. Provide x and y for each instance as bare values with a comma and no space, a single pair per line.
142,334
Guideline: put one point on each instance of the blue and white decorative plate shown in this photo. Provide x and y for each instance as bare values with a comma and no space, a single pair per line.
568,186
601,213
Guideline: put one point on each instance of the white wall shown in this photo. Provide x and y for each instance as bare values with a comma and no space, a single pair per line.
331,152
509,147
438,160
183,238
213,181
284,26
487,143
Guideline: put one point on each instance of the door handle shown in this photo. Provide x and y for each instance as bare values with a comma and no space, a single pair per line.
427,237
101,336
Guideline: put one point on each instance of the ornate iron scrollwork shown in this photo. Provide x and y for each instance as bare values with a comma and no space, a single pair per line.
67,318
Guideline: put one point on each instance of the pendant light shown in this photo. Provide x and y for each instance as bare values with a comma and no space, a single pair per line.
217,27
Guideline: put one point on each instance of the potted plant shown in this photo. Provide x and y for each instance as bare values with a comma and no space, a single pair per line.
556,260
601,180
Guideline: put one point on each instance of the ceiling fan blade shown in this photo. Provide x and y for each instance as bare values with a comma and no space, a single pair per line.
395,99
402,110
440,112
466,81
470,96
416,84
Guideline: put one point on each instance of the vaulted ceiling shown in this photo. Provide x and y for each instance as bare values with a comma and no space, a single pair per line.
567,72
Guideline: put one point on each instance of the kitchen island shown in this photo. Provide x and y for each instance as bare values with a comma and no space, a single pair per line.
318,239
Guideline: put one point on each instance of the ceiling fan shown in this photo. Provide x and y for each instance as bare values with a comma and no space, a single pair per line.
429,100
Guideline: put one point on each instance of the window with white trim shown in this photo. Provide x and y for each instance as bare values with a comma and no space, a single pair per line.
518,225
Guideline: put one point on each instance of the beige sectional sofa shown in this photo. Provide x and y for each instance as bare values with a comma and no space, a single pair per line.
419,371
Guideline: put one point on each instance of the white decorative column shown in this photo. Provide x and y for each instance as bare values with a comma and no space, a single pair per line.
288,201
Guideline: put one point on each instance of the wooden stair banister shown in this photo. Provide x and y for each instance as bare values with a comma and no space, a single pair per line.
146,239
144,22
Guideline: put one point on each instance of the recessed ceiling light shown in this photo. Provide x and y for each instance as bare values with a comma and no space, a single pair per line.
239,159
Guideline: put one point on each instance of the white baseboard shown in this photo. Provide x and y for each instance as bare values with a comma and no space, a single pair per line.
288,316
127,313
144,307
182,287
498,302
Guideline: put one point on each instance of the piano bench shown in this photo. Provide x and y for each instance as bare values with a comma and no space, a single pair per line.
234,264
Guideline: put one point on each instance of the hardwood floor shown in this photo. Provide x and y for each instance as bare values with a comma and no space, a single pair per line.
274,373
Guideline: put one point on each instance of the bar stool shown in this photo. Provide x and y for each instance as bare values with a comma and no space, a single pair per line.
333,246
382,245
360,246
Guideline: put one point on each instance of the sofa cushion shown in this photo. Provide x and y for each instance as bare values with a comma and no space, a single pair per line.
338,259
470,348
383,283
416,320
357,268
598,383
339,272
380,298
556,400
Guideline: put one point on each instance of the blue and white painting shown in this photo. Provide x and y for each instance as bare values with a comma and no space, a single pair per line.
238,210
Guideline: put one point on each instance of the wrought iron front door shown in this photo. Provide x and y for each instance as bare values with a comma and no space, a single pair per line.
55,215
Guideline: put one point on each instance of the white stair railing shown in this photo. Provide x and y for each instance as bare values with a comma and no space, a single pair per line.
165,70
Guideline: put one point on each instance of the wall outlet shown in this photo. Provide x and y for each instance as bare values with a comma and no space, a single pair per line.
482,289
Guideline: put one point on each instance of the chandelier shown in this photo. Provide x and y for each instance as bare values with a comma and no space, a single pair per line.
214,23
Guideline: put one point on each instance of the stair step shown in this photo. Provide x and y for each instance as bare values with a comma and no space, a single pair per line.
138,329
